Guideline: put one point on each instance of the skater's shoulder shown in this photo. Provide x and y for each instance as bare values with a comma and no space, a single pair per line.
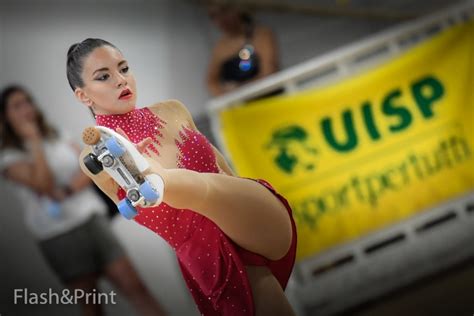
172,104
170,107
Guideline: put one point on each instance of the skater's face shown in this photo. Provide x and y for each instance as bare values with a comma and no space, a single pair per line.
109,85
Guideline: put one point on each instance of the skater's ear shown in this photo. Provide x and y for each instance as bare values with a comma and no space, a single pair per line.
83,98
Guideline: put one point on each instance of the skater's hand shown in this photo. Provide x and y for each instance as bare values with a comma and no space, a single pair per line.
141,146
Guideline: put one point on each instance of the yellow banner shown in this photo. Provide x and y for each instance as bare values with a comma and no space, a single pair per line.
369,151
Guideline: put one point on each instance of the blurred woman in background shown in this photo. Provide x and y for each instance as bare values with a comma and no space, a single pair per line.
61,209
245,52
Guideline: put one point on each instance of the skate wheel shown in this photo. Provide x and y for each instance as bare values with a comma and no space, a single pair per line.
126,208
133,195
114,147
108,161
90,136
92,163
148,192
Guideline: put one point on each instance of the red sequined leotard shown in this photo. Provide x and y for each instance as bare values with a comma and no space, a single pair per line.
211,263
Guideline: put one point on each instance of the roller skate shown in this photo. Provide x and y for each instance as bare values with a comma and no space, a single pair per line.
114,154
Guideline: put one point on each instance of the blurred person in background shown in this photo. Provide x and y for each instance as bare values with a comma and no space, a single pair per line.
61,210
246,51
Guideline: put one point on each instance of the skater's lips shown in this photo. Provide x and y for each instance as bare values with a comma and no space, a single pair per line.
125,92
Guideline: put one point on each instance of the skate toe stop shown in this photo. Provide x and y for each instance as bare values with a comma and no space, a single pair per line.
90,136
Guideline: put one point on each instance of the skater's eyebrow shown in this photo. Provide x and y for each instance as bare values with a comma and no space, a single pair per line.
105,68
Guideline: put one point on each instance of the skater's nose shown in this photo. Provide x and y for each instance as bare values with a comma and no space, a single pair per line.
121,81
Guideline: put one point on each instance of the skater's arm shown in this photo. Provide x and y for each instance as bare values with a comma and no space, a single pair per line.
223,163
220,158
182,112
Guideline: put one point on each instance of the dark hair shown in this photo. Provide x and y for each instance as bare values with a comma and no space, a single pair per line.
75,59
247,18
8,137
244,15
249,23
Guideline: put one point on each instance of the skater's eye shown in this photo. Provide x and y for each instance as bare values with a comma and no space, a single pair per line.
103,77
125,70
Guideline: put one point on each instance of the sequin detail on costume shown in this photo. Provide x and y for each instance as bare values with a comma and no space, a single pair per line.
138,124
195,152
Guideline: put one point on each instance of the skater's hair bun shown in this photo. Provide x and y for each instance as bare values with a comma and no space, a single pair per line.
75,59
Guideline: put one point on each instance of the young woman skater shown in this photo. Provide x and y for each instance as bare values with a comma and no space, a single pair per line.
235,238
